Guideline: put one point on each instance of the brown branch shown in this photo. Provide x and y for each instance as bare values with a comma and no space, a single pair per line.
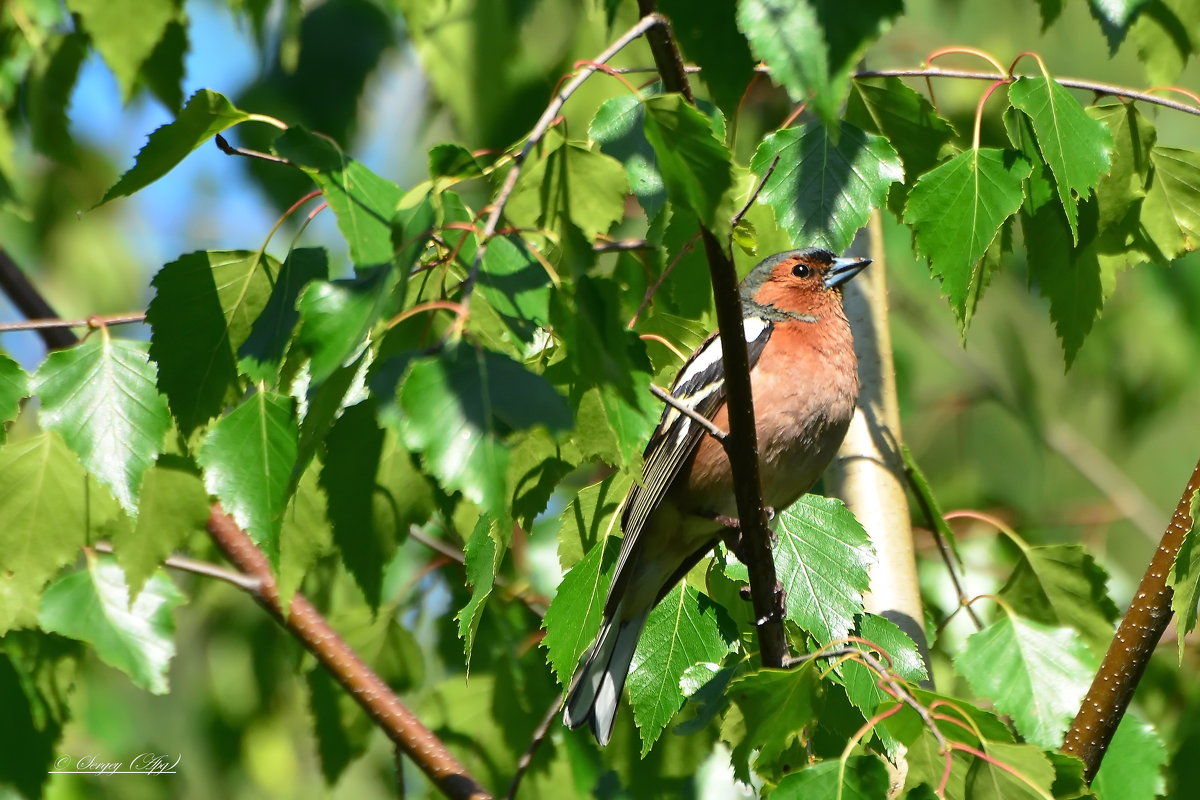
94,321
1070,83
30,302
376,698
203,568
536,604
1148,615
535,741
741,446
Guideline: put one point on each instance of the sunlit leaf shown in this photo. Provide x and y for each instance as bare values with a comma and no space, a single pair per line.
14,387
1171,210
93,605
573,617
859,778
482,560
1133,763
260,355
778,705
1011,772
1115,17
100,396
694,164
1185,578
124,45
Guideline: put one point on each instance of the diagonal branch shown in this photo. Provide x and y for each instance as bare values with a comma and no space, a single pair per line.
1129,654
30,302
376,698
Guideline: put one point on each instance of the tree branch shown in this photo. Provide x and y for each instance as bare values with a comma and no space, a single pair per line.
30,302
1148,615
368,689
741,446
689,412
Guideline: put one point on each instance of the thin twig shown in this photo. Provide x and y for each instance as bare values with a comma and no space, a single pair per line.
1070,83
184,564
689,412
225,147
622,246
94,321
733,223
535,137
31,303
537,605
369,690
539,736
1129,653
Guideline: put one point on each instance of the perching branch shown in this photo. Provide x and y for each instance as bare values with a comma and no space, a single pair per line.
741,447
689,412
30,302
1148,615
94,321
376,698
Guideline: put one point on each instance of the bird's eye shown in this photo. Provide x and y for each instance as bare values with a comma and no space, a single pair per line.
802,270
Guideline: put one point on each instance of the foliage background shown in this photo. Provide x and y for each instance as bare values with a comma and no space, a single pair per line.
236,710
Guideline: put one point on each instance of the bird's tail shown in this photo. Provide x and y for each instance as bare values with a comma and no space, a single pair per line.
596,689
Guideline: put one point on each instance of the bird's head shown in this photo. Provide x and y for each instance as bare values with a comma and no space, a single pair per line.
798,283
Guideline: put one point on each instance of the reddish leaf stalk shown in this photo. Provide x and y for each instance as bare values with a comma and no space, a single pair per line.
369,690
1143,624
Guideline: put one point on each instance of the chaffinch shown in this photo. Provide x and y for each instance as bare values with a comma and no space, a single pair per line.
804,377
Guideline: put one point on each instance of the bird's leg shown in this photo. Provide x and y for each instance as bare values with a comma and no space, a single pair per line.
732,535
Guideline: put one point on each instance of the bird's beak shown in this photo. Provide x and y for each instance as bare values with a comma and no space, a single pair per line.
844,269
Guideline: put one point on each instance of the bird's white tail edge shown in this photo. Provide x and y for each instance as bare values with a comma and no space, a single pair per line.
596,691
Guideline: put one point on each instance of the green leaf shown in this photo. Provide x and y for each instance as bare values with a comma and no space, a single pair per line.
453,161
93,605
1034,775
101,398
1184,579
858,778
910,123
14,387
172,507
125,32
202,312
590,517
821,559
305,535
482,560
1171,210
43,505
1035,673
1076,147
573,617
695,165
49,96
1119,193
261,354
571,185
516,285
247,458
810,46
618,127
1062,585
956,210
336,316
364,203
684,629
708,33
206,114
163,72
862,683
1164,47
777,705
1115,17
459,406
1134,762
824,190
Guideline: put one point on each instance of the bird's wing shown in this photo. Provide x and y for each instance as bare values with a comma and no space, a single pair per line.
701,385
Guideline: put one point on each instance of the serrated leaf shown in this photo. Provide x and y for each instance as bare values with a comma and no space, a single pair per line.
247,458
589,518
824,190
902,655
203,309
336,316
1035,673
708,33
14,387
1115,17
1076,147
1171,210
1184,578
516,285
571,185
956,210
892,108
363,202
694,164
1014,772
684,629
1119,192
618,128
459,406
482,559
163,72
206,114
1162,48
93,605
124,32
857,778
260,356
777,705
573,616
1062,585
42,503
1134,762
453,161
100,396
821,558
